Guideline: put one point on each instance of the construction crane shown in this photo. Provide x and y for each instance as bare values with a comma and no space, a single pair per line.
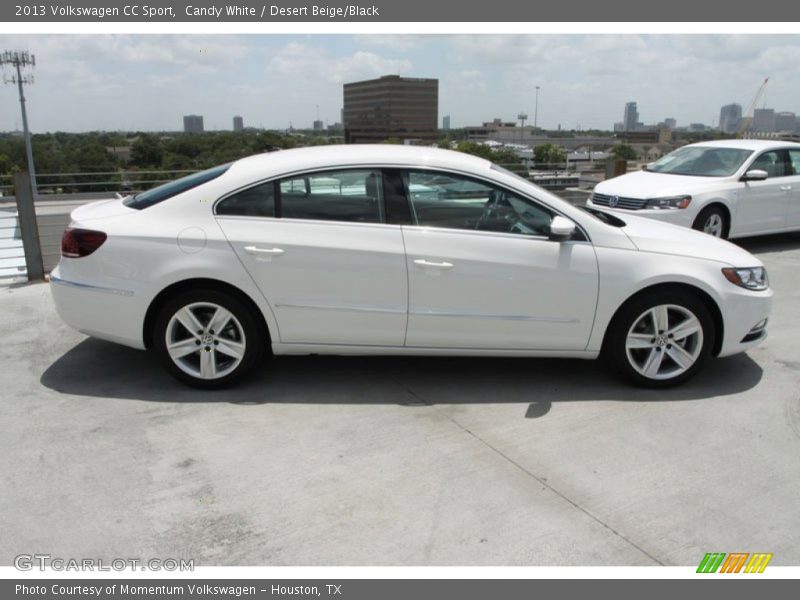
750,109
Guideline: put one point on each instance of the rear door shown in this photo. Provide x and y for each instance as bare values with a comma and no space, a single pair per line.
322,254
793,201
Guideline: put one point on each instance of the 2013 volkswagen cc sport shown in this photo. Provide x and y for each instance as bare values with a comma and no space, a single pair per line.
368,250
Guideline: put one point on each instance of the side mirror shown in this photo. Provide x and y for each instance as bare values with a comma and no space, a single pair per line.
561,229
755,175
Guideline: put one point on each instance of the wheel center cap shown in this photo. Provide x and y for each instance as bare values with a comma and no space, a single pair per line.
661,341
207,339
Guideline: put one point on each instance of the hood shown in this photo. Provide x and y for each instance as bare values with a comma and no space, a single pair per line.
100,210
644,184
649,235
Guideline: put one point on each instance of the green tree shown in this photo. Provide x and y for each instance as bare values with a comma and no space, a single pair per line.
147,152
549,154
624,152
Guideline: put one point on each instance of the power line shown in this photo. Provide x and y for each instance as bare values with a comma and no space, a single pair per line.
21,60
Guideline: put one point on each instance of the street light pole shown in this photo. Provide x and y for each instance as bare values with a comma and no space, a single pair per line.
18,60
536,110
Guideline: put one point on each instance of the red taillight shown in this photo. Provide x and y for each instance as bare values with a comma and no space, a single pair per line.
76,243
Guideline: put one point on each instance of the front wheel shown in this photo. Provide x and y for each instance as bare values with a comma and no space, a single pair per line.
660,339
713,221
207,338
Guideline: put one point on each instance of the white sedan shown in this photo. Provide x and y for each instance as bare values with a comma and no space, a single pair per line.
728,188
368,250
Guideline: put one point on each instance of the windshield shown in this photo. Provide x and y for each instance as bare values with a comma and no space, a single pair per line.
173,188
701,161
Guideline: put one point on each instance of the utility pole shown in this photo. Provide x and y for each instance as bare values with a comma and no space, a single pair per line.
20,60
536,111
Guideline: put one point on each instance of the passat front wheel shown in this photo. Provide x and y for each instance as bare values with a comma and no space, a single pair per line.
207,338
660,339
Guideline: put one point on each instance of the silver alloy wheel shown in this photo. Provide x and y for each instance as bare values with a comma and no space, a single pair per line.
713,225
664,341
205,340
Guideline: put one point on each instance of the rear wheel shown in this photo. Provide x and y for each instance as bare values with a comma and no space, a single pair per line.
207,338
712,220
660,339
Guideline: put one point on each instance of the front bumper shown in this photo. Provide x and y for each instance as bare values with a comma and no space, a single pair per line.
743,312
683,217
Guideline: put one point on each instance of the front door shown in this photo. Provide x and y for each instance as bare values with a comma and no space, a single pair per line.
761,205
483,274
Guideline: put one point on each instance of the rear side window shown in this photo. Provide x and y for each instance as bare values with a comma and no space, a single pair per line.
173,188
258,201
354,196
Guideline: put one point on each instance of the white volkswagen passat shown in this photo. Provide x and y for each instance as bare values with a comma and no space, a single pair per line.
397,250
728,188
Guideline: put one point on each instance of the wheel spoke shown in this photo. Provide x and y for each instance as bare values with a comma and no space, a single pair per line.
208,364
219,320
653,363
681,357
230,348
183,348
660,318
186,318
686,328
640,340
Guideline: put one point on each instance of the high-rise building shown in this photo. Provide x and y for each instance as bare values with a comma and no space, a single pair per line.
630,120
238,123
730,118
193,124
391,107
446,122
763,120
785,122
670,123
319,125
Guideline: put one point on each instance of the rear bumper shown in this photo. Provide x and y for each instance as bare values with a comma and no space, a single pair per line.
104,311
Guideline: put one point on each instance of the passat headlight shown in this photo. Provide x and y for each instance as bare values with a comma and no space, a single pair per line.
669,202
752,278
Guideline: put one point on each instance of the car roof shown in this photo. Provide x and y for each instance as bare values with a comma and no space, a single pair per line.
749,144
264,166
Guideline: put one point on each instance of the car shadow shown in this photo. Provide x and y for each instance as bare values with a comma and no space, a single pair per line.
779,242
101,369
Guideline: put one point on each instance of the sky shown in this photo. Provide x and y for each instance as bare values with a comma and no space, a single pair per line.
148,82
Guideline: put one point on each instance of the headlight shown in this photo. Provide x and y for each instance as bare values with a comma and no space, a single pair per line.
669,202
753,278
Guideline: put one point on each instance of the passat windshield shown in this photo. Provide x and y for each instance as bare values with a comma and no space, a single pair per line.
701,161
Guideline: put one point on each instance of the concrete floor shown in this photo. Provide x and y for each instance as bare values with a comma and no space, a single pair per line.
385,461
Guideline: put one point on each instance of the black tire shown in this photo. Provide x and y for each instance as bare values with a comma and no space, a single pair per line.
711,215
628,362
243,330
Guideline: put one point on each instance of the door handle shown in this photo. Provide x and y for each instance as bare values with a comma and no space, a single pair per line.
786,188
255,250
421,262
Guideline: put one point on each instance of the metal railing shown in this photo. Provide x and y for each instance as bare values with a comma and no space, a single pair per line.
127,180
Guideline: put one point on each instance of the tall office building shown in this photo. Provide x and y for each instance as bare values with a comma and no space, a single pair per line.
785,122
730,118
391,107
631,118
238,123
446,122
763,120
670,123
193,124
318,125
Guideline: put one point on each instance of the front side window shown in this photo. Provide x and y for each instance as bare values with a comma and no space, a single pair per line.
257,201
454,202
353,195
772,162
701,161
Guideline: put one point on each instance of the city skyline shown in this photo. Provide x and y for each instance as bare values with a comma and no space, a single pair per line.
147,83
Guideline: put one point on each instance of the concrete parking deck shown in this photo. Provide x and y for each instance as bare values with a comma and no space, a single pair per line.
388,461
